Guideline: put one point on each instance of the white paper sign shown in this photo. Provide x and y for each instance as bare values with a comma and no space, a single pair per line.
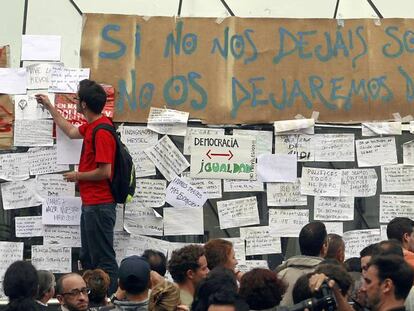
264,139
301,145
41,47
33,133
321,181
210,187
239,246
66,80
359,182
277,168
68,150
228,157
29,226
356,240
168,121
61,211
19,194
139,243
68,236
381,128
238,185
408,153
27,107
260,241
44,160
53,185
13,81
149,193
305,126
249,265
174,224
121,243
14,166
167,158
334,208
238,212
142,220
397,178
334,148
56,259
285,194
392,206
197,131
335,227
376,151
38,75
383,230
180,193
287,222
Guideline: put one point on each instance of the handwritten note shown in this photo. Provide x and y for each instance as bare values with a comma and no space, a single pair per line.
305,126
27,107
334,148
238,212
392,206
381,128
14,166
180,193
301,145
167,158
44,160
260,241
210,187
29,226
121,243
33,133
277,168
38,75
54,185
56,259
139,243
359,182
13,81
287,222
174,224
61,211
119,221
376,151
19,194
236,185
408,153
321,181
168,121
196,131
66,80
285,194
68,150
149,193
142,220
264,139
336,227
356,240
68,236
397,178
334,208
41,47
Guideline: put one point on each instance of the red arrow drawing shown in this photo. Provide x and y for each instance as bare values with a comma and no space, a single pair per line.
230,154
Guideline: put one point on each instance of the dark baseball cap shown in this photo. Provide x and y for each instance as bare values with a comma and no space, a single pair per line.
134,269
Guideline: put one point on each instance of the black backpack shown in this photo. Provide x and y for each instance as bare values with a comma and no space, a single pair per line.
123,180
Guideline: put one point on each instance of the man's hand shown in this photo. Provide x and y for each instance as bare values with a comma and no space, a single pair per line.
43,100
71,176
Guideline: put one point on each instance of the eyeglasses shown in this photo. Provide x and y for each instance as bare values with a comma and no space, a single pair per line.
76,292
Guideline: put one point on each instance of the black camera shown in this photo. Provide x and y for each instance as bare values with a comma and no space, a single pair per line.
324,300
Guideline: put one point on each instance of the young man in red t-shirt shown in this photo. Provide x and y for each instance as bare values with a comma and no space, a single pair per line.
96,168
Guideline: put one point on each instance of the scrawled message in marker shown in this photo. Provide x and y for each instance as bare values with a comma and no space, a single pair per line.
285,194
180,193
334,148
38,75
376,151
33,133
321,181
142,220
20,194
228,157
44,160
260,241
301,145
167,158
239,185
61,211
14,166
238,212
287,222
392,206
66,80
149,193
28,226
356,240
68,236
397,178
210,187
26,106
56,259
333,208
168,121
359,182
197,131
53,185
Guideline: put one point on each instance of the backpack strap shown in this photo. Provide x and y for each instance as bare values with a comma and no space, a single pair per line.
107,127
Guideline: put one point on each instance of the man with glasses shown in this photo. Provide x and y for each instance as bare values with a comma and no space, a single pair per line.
72,293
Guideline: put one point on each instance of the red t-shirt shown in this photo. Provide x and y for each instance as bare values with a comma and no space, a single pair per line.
96,192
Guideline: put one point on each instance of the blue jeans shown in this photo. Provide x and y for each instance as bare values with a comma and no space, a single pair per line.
97,238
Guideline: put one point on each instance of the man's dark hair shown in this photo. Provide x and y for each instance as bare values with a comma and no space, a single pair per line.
59,283
157,261
388,247
335,243
353,264
338,273
397,227
93,94
184,259
398,270
46,282
311,238
367,251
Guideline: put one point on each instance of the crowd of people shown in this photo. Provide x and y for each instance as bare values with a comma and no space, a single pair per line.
205,278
